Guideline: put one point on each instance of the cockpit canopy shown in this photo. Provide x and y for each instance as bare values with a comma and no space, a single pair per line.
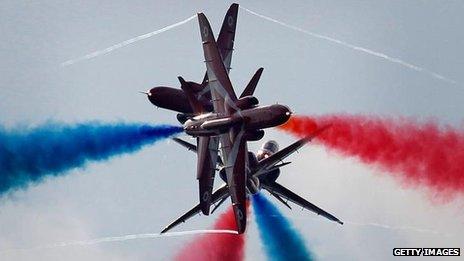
268,148
204,116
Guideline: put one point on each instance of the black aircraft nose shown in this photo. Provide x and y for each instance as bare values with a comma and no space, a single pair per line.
287,111
157,96
169,98
151,93
282,112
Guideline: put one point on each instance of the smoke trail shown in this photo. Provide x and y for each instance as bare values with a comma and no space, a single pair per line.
407,228
419,153
28,155
399,228
124,238
216,247
125,43
280,239
356,48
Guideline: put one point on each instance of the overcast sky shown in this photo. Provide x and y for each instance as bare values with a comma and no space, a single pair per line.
142,192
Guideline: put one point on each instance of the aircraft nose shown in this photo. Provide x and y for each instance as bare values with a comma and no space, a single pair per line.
152,97
282,113
284,110
151,92
288,112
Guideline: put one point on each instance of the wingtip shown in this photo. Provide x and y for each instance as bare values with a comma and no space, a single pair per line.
164,230
205,207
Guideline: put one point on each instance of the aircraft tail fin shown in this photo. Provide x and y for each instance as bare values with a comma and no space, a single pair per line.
189,90
250,88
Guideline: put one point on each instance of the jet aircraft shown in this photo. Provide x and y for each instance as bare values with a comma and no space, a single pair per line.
223,122
213,113
264,169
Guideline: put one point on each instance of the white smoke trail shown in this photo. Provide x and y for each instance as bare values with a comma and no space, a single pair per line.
356,48
125,43
377,225
404,228
125,238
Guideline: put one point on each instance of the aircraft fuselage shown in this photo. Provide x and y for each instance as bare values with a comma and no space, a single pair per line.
174,99
254,182
212,124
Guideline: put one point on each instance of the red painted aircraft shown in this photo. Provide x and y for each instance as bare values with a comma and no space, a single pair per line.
212,112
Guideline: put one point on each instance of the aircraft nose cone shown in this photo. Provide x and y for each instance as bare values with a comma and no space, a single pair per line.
283,113
151,93
284,110
289,113
152,97
287,110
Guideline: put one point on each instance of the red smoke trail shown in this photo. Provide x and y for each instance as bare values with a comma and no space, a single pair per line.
424,153
224,247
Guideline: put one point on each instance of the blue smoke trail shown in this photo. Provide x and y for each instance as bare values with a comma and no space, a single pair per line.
28,155
281,240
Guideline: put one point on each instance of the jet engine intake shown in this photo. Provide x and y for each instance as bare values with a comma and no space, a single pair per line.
183,117
247,102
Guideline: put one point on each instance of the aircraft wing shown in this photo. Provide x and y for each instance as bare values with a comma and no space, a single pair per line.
218,80
233,144
268,163
218,195
236,164
225,41
280,199
207,155
280,190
